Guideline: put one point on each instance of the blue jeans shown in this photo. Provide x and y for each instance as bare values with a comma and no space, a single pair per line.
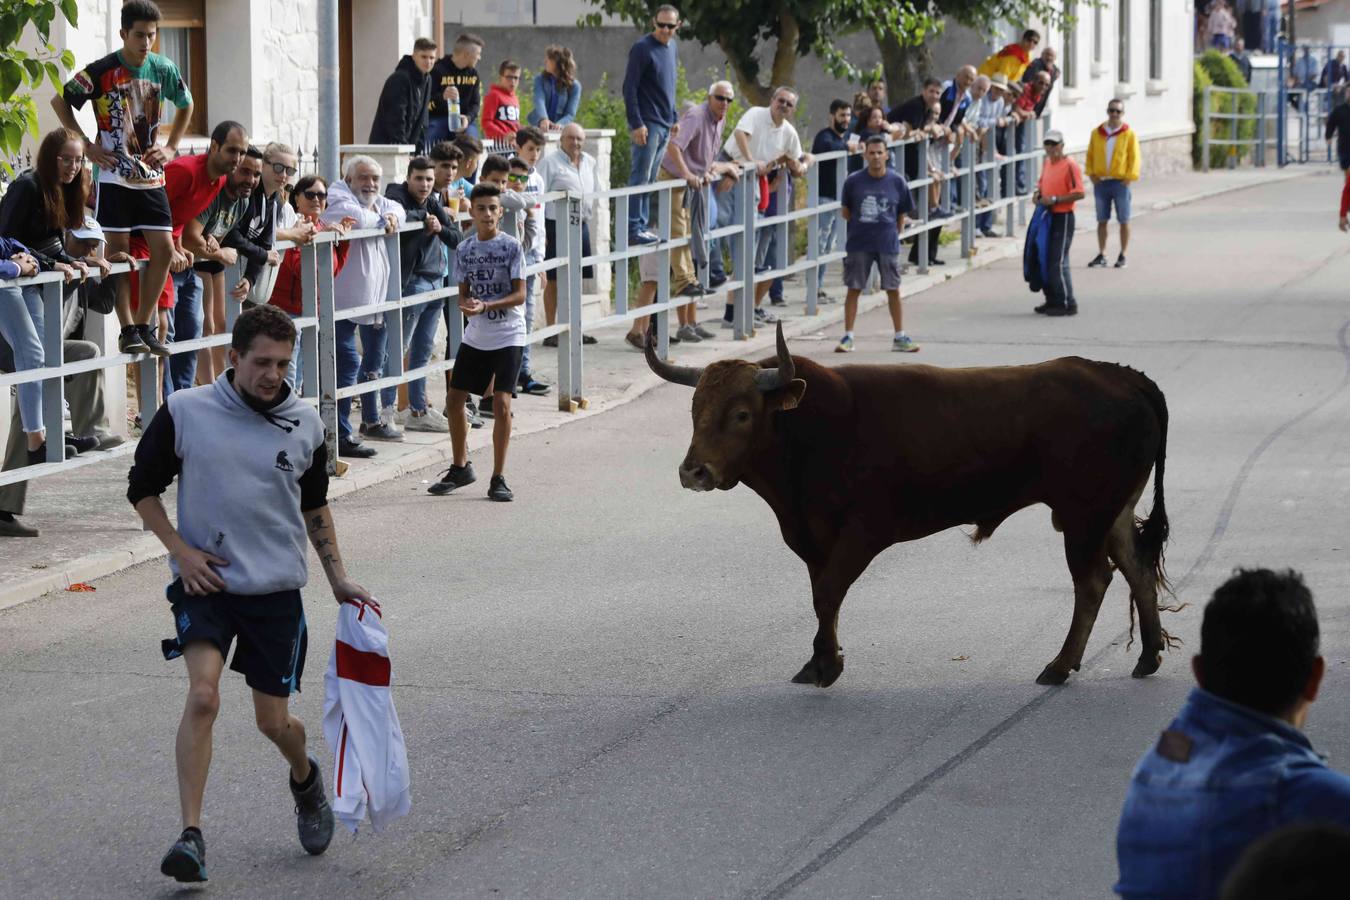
367,364
419,337
185,324
716,269
985,220
295,372
1270,31
21,322
829,232
646,166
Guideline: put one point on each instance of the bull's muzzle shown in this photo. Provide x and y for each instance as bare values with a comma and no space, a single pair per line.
696,476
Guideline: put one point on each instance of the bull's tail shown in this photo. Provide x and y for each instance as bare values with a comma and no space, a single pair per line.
1150,535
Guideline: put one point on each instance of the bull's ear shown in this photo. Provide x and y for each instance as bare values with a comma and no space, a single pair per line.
791,395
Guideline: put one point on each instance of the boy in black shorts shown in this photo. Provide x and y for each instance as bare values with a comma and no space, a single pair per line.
131,90
492,294
252,471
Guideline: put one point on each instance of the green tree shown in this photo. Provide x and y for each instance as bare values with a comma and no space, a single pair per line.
21,71
796,28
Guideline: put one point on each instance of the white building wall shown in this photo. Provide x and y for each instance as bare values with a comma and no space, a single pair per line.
287,100
470,13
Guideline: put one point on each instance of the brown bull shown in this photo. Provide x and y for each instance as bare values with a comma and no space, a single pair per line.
857,458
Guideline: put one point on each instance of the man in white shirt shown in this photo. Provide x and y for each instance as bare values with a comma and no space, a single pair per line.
766,139
568,169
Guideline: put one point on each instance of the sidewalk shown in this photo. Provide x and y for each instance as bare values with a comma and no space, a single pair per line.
89,530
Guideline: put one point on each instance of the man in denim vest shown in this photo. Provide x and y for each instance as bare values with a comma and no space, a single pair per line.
1234,764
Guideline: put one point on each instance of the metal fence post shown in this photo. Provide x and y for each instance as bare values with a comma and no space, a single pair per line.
1261,129
53,350
570,349
393,336
621,244
967,177
327,341
1235,109
1204,129
308,344
744,311
813,236
663,268
925,236
1281,123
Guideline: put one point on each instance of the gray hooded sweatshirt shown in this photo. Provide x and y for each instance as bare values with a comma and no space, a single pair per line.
244,478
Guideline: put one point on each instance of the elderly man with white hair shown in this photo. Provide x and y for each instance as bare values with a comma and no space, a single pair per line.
765,139
568,169
691,157
363,281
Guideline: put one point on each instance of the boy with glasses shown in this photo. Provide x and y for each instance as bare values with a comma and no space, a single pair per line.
501,109
1112,164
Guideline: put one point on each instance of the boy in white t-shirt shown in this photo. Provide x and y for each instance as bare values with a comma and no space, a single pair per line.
492,294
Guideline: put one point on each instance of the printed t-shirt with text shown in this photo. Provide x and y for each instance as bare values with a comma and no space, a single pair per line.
488,268
874,206
129,108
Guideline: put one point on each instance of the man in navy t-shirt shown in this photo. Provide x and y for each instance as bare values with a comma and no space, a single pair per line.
874,204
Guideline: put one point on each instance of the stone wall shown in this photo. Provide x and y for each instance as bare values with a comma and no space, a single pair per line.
289,98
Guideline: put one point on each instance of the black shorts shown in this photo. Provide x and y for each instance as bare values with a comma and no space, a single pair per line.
270,628
551,247
474,369
128,209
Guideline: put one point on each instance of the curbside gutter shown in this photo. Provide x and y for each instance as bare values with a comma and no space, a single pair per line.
147,548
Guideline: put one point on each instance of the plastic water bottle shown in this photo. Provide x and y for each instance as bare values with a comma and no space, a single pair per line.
452,113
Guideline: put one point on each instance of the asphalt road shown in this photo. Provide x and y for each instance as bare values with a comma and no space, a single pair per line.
593,680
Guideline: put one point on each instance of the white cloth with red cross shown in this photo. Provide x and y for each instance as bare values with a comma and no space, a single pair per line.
370,770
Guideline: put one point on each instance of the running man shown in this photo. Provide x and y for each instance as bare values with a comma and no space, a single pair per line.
874,204
252,471
131,90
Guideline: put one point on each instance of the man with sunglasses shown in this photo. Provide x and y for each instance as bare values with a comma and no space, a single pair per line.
1112,164
649,100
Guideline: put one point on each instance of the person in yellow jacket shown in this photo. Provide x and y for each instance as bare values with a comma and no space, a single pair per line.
1113,165
1013,59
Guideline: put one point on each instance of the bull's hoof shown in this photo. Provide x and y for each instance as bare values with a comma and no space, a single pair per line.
1147,665
1051,676
820,673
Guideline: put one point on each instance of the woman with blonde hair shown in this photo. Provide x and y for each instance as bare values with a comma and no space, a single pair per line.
557,93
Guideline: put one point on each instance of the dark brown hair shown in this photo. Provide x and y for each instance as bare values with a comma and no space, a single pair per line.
264,319
564,66
305,183
62,204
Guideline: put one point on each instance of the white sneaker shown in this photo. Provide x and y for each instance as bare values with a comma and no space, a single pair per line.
431,420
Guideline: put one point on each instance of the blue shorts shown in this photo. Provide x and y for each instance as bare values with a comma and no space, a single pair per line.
1109,191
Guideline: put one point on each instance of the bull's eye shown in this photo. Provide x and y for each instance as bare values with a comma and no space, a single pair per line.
742,416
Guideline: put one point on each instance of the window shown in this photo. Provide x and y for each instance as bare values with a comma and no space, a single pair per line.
1155,46
1123,41
1069,65
182,38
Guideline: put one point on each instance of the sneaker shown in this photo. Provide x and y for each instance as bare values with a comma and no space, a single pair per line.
636,340
764,317
822,297
531,385
716,281
988,232
313,815
727,323
497,490
691,290
1060,311
10,526
1120,261
354,449
453,477
107,440
186,859
703,333
382,431
150,341
129,341
1098,262
588,339
642,237
475,420
428,420
551,341
845,345
904,344
687,333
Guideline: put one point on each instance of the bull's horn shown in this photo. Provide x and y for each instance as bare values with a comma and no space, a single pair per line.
686,375
775,378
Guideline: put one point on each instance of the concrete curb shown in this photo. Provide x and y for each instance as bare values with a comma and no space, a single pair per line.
147,547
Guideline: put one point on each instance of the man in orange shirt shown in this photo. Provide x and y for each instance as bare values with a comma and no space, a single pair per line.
1060,187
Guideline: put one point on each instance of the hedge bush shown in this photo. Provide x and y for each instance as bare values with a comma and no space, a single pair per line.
1215,68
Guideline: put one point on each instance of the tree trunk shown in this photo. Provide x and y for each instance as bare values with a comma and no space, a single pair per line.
754,93
904,67
785,55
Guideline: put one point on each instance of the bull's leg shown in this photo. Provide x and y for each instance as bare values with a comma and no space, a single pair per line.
1143,591
829,583
1091,573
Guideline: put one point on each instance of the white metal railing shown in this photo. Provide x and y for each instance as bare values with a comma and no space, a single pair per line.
316,324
